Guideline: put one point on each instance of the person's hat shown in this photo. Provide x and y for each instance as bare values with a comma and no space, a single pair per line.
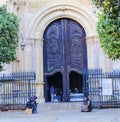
34,97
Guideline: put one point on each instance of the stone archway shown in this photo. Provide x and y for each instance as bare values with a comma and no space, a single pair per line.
42,20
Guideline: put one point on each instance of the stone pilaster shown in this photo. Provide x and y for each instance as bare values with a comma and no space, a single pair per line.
39,70
90,52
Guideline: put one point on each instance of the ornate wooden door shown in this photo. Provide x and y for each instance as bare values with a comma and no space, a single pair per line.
64,51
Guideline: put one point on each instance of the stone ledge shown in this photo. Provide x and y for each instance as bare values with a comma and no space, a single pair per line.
59,106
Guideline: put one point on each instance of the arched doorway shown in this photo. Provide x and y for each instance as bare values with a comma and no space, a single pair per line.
65,55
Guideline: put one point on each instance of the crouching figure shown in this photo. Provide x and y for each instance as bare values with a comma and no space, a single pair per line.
86,106
32,104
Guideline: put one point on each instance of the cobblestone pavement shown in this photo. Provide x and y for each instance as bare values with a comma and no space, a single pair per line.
97,115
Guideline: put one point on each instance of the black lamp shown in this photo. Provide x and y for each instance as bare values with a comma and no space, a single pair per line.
22,45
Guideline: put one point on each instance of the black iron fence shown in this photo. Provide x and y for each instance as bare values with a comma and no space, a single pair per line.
15,89
102,88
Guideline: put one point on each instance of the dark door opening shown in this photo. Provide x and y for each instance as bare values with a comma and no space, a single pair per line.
76,86
76,82
56,82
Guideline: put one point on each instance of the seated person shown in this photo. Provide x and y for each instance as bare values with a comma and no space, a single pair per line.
86,106
32,104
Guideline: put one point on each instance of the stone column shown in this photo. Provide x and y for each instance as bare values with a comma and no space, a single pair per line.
28,59
39,71
90,52
96,52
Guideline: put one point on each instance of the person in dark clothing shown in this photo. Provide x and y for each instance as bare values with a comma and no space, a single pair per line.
32,104
52,91
35,104
86,106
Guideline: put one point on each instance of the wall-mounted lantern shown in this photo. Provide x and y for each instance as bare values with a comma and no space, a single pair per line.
22,45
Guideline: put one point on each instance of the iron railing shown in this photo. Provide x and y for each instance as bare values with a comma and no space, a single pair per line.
102,88
15,89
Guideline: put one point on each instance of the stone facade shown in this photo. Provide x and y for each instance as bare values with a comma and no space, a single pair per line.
36,15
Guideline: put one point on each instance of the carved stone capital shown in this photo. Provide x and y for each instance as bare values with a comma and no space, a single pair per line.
92,38
39,83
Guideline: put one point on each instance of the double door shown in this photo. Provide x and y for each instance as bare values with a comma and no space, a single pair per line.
64,51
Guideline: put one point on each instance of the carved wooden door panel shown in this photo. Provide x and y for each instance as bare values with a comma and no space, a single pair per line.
64,50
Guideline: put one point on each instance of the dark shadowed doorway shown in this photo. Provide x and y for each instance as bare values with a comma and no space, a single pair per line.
76,82
56,81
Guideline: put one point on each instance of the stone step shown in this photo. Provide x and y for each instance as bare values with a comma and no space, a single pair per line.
59,106
78,97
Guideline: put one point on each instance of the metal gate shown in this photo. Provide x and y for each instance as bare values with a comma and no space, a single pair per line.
102,88
15,89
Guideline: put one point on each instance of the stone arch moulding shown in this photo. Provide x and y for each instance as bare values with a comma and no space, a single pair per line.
42,20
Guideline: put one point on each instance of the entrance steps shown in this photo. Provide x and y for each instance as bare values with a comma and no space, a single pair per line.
58,106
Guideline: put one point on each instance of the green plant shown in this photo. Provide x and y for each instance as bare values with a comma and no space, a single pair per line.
108,27
9,28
